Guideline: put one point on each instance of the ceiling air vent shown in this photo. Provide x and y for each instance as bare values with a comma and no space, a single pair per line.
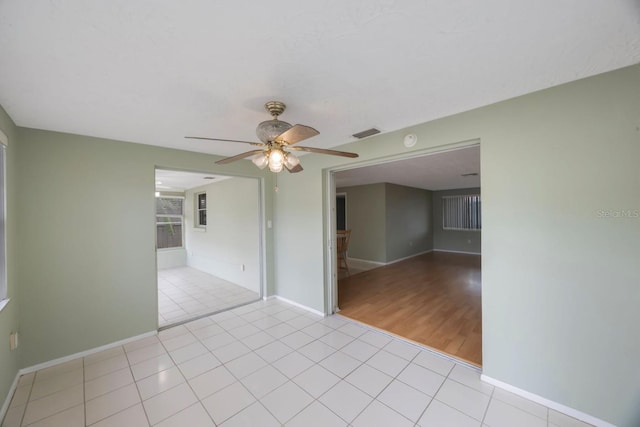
366,133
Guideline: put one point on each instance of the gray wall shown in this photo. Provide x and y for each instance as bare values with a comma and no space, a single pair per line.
560,274
453,240
387,221
9,320
408,219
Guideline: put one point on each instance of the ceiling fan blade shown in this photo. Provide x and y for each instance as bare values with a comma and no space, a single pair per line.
258,144
238,157
324,151
295,134
297,168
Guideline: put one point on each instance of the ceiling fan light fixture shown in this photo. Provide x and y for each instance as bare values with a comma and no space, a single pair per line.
276,168
261,160
276,160
291,160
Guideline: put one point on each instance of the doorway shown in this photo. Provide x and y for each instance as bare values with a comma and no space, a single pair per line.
341,211
208,243
397,226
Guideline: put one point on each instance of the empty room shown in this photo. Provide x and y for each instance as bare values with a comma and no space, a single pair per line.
97,97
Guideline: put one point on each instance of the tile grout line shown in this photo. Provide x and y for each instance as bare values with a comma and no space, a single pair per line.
186,381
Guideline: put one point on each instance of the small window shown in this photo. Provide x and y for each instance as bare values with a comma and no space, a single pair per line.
169,219
461,212
201,210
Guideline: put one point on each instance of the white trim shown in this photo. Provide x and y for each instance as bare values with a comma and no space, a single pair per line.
85,353
457,252
3,304
330,256
365,262
7,400
408,257
381,264
408,155
546,402
297,304
4,282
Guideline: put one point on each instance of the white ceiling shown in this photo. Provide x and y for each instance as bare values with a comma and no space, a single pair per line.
180,181
154,71
441,171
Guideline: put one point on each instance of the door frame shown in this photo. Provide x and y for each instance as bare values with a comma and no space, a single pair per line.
329,211
261,237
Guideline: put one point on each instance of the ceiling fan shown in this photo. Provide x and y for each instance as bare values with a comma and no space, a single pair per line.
278,139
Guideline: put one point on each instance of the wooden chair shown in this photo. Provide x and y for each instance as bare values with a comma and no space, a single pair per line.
342,245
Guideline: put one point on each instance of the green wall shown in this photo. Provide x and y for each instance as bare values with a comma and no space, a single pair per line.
366,219
388,221
453,240
560,279
9,321
408,221
232,235
86,250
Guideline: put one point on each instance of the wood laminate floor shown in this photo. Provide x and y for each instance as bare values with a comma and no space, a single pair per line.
433,299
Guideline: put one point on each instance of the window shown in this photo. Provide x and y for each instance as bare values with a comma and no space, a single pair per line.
201,210
461,212
169,219
3,243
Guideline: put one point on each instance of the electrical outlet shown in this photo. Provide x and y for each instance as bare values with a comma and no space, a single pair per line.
13,341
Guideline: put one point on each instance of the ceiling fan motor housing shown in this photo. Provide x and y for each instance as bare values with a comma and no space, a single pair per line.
268,130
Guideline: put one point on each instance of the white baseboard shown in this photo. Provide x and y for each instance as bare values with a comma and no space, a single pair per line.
409,257
7,400
366,262
457,252
296,304
85,353
548,403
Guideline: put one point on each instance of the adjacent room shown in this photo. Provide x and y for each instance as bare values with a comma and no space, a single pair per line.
208,241
411,265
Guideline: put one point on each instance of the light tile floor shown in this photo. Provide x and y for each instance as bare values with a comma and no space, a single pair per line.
185,293
269,364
